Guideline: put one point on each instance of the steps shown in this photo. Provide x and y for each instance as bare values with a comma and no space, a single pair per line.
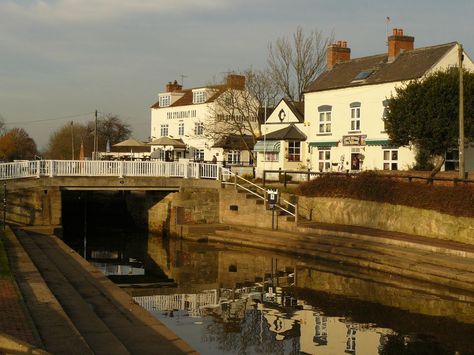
408,259
104,317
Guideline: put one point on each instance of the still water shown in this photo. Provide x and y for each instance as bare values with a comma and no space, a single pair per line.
230,300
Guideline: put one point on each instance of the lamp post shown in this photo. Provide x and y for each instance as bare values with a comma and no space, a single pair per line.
94,156
461,114
72,140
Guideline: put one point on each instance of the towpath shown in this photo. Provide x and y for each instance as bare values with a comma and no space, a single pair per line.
75,308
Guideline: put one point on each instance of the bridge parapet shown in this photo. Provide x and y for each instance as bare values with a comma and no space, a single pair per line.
99,168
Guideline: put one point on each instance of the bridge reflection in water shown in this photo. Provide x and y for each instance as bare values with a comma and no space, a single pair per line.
231,300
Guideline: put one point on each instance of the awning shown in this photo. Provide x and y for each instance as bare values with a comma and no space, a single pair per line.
377,142
325,144
267,146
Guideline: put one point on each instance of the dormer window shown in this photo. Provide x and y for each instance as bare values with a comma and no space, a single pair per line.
199,97
165,100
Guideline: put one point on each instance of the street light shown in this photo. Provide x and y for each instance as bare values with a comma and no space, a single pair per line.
461,114
94,157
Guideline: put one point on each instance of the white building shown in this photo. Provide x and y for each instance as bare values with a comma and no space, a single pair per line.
344,107
283,140
184,114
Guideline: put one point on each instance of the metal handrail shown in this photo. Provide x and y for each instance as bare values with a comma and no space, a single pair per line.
230,173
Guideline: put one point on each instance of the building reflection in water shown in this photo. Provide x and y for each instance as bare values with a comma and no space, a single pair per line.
240,300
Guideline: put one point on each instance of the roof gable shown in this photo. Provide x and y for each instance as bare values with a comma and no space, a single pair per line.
287,112
406,66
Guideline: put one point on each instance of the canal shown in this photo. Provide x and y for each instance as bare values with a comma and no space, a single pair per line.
230,300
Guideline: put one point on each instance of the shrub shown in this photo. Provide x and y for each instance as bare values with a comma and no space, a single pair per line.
455,200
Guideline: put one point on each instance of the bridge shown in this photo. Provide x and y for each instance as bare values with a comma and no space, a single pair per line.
36,189
101,168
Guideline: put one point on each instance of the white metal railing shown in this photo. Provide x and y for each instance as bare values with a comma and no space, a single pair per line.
98,168
231,178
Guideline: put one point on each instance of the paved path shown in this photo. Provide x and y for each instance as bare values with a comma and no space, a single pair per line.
76,309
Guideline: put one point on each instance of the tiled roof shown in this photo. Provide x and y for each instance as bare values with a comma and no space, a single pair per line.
407,65
235,142
290,133
187,98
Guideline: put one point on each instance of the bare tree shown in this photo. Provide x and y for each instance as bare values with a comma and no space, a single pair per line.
234,113
237,111
295,63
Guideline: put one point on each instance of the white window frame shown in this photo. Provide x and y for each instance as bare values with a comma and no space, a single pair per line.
198,154
325,122
198,128
199,97
164,130
233,157
181,129
324,159
294,151
355,119
165,100
390,159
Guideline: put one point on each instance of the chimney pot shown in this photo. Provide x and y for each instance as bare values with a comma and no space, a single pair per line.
336,53
399,43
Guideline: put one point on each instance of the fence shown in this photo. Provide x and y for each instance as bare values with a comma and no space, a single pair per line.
285,176
98,168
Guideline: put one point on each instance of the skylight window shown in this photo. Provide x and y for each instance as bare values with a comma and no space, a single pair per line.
364,74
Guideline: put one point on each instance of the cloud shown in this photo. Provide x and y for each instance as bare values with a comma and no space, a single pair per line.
83,11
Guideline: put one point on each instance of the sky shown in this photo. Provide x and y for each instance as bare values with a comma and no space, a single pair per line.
60,60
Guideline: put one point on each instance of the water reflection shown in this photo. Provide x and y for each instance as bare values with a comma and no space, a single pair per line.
241,301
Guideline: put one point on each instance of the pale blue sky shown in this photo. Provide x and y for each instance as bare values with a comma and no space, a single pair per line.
62,58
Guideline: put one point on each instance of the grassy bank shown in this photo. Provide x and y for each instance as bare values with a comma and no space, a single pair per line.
454,200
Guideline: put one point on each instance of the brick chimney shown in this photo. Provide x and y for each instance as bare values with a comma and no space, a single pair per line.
173,86
235,81
336,53
398,43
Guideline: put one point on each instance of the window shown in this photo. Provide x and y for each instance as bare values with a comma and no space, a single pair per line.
294,148
452,160
355,116
198,128
198,154
181,129
164,130
325,122
384,114
390,159
355,119
165,100
324,157
271,156
199,97
233,157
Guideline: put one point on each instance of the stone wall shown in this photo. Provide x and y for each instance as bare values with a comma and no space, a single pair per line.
194,206
389,217
35,206
240,208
